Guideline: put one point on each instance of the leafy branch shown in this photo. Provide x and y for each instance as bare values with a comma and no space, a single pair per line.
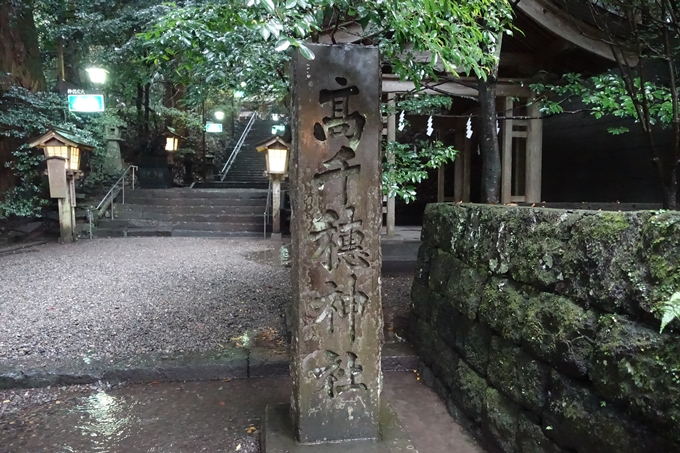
409,165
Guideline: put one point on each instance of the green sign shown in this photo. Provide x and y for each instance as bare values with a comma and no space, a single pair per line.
213,127
86,102
278,128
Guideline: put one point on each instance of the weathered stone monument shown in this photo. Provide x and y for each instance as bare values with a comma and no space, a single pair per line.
336,196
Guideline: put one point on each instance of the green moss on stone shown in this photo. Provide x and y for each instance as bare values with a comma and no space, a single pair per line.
518,375
445,365
471,392
500,420
661,239
560,332
449,320
503,309
473,342
464,289
530,438
442,266
602,255
639,369
578,419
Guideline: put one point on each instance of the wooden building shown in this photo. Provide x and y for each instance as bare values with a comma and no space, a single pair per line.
552,42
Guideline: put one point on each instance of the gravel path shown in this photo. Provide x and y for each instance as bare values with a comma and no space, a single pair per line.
112,298
116,298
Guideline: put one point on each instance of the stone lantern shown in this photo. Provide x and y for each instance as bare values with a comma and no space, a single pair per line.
63,156
277,168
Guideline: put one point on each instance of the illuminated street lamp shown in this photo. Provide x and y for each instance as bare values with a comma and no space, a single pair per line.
97,75
62,154
238,94
219,115
277,167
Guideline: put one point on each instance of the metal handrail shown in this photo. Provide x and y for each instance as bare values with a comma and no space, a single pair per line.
110,194
266,209
237,148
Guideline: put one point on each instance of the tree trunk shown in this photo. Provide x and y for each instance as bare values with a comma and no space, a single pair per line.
19,52
672,191
140,113
147,109
491,158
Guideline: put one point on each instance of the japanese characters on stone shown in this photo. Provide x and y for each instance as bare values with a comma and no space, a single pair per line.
338,237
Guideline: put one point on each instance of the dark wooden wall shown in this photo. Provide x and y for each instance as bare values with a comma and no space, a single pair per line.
582,161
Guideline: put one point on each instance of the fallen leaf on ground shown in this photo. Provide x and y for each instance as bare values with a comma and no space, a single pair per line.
238,447
251,430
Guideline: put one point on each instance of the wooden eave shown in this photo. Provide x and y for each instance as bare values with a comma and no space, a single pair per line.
269,142
464,86
65,138
559,22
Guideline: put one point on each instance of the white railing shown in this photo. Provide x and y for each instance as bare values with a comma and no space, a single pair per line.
112,194
237,148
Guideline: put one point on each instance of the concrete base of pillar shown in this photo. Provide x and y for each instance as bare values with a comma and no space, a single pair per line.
277,435
276,237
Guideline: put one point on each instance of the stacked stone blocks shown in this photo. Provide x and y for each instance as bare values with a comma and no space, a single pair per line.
537,326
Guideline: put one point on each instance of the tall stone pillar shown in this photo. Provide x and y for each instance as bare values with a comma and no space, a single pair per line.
336,196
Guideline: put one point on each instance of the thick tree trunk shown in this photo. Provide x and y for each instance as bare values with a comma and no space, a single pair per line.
491,158
140,113
147,108
19,52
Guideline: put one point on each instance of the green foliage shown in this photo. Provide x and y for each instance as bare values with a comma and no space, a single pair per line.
419,105
224,42
607,94
670,310
411,165
25,199
25,115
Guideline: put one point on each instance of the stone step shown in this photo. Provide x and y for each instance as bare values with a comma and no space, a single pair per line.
202,202
138,209
183,193
227,184
163,232
245,226
214,218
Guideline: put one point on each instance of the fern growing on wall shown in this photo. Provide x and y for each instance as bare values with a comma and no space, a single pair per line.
670,310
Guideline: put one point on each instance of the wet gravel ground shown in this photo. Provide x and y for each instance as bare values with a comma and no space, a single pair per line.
177,417
114,298
213,416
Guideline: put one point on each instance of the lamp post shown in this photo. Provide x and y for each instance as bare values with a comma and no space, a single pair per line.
277,168
62,153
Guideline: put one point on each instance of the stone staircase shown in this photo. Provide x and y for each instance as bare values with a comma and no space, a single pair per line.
248,170
187,212
234,207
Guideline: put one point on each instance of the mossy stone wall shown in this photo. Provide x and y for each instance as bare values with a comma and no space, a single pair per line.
536,326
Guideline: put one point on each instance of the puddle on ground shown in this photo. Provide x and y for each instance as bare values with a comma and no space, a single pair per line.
273,257
167,417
